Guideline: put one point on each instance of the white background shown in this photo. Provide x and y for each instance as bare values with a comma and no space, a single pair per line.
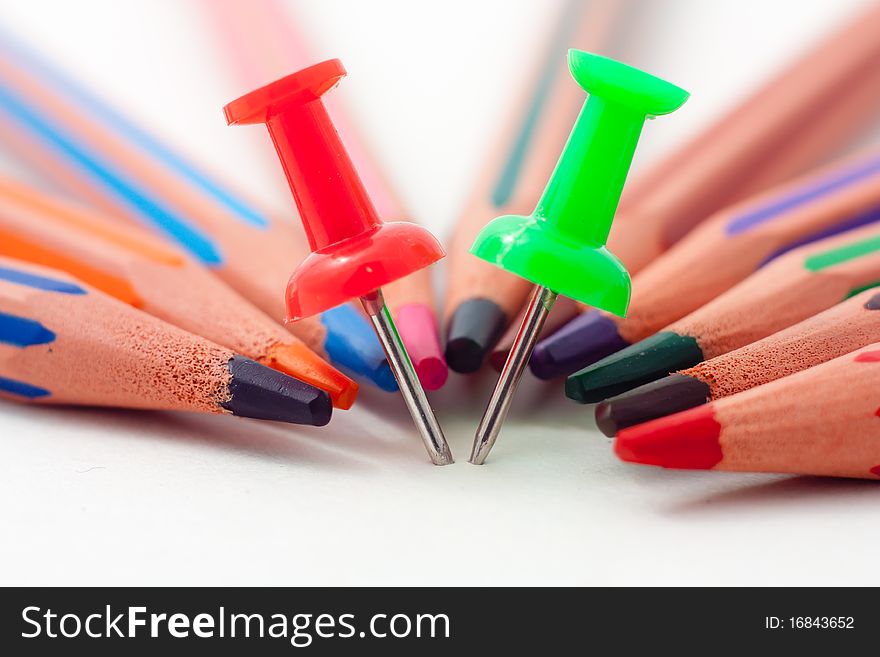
118,497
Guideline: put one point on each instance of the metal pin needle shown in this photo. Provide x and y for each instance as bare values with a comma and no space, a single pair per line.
502,397
410,386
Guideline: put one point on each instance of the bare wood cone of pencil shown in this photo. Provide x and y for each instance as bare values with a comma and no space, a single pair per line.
561,246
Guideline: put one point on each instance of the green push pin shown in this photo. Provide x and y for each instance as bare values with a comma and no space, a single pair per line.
561,246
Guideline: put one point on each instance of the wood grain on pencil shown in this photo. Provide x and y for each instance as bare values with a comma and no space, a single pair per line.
134,267
62,342
738,153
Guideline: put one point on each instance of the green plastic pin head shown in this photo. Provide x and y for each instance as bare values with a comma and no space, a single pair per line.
561,245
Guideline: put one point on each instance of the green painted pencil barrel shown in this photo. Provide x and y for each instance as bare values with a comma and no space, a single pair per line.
561,245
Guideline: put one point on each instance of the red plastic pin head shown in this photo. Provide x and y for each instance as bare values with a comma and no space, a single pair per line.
353,251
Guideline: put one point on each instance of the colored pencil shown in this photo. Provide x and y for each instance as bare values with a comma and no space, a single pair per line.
62,342
822,421
839,330
263,42
137,269
97,155
791,288
718,254
789,124
482,300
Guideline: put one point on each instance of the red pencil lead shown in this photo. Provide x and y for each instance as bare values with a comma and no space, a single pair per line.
687,440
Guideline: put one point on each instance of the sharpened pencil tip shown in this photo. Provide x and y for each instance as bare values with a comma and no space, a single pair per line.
671,394
640,363
432,372
465,355
688,440
262,393
354,348
417,325
300,362
497,359
383,378
587,338
474,328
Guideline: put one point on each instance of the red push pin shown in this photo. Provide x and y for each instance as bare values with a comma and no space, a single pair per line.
353,252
